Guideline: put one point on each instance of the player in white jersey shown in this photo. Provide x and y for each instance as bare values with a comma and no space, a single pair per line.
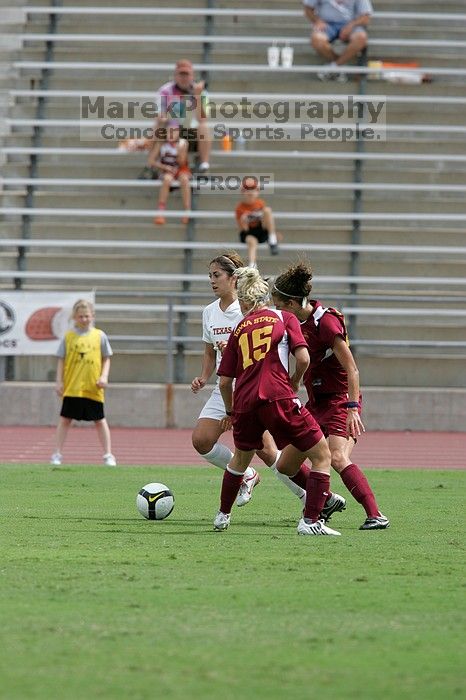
218,320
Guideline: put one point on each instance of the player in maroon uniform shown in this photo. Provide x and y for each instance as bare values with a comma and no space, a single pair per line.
332,382
264,398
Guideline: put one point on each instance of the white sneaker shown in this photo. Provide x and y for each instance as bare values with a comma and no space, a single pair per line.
204,167
328,72
221,521
56,459
317,528
109,460
250,479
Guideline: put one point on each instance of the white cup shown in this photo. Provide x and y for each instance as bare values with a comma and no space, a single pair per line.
287,56
273,56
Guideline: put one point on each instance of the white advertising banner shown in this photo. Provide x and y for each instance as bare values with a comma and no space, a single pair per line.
33,323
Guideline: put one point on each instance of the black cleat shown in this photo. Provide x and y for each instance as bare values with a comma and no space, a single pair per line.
334,504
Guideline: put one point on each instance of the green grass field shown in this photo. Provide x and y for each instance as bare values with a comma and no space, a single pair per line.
98,603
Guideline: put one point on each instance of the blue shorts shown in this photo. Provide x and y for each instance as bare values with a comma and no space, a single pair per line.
334,28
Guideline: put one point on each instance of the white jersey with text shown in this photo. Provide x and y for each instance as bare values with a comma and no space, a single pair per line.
217,324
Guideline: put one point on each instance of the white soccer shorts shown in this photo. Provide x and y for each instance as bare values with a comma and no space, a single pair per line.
214,408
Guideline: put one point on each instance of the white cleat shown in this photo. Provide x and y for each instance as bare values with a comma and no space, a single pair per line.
250,479
109,460
56,459
317,528
378,523
221,521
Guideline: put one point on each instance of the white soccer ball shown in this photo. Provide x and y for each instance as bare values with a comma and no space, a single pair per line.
155,501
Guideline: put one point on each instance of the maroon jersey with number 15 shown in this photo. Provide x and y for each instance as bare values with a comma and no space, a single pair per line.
257,355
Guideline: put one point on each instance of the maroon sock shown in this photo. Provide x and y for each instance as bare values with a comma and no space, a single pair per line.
358,486
300,478
317,491
230,487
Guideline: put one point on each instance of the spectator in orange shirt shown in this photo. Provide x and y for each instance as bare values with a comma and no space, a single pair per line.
170,158
255,220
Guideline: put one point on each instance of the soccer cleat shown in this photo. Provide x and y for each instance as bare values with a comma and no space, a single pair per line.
378,523
109,460
56,459
204,167
250,479
333,504
305,527
159,220
221,521
273,249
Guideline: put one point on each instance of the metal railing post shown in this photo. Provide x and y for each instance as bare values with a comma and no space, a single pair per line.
169,390
357,206
180,365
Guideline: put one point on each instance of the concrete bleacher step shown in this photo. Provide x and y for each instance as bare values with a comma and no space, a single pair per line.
118,262
134,366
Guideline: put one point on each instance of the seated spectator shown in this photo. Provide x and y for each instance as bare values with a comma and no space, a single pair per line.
170,159
344,20
255,220
183,99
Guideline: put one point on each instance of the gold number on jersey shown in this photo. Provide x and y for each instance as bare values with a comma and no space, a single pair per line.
261,340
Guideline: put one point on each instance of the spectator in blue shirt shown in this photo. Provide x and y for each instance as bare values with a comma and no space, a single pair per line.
337,19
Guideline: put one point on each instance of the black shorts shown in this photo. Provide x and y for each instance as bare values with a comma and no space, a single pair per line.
82,409
191,137
258,232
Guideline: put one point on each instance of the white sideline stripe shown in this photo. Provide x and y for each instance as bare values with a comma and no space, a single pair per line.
347,186
183,277
227,215
220,12
239,68
223,39
215,245
213,96
241,124
330,155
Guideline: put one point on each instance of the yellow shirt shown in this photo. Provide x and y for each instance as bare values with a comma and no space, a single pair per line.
83,365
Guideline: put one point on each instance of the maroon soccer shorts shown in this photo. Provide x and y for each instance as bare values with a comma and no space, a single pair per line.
287,420
330,412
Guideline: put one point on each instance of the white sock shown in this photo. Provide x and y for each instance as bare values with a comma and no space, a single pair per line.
220,456
294,488
249,473
252,264
272,238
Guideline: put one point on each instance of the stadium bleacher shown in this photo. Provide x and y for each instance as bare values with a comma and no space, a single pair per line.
384,225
